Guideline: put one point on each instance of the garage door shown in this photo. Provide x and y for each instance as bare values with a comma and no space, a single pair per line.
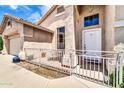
14,46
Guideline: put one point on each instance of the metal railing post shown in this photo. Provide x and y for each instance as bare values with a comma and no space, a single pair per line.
117,70
39,57
121,69
81,64
70,61
25,54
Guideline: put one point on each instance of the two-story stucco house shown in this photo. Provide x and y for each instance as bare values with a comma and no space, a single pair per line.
19,34
90,27
78,27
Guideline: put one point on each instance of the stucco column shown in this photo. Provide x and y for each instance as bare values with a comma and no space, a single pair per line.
109,28
70,34
70,30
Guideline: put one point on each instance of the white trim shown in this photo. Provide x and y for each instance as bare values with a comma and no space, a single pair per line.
59,14
92,29
15,36
28,35
119,23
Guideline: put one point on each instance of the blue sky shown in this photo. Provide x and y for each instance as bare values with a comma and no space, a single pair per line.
31,13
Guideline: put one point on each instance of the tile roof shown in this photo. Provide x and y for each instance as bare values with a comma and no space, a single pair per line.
47,14
20,20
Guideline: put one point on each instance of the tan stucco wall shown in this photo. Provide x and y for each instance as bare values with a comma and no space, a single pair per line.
108,15
119,24
107,19
119,35
18,31
78,29
37,45
73,22
53,21
119,12
85,11
10,29
12,32
109,27
35,35
82,12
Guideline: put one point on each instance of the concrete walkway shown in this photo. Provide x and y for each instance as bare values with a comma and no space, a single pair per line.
12,75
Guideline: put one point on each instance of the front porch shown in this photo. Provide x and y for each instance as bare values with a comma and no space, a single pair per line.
91,67
15,76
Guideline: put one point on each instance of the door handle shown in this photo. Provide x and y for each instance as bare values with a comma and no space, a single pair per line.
84,48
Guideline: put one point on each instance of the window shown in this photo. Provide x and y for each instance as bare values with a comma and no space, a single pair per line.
91,20
28,31
60,9
9,23
61,38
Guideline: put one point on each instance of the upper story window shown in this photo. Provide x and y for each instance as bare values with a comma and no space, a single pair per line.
28,31
60,9
91,20
9,23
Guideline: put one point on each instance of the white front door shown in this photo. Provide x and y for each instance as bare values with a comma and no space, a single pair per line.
92,41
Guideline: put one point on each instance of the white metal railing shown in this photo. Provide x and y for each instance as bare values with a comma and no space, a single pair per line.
48,57
99,66
102,67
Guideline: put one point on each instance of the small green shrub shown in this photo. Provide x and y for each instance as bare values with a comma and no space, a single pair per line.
123,75
1,44
122,84
112,79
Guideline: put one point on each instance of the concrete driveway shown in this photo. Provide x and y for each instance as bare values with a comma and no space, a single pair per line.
12,75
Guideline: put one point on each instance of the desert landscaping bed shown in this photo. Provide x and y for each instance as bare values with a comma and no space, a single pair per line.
43,71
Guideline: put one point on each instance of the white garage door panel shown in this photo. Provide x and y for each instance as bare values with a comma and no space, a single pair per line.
14,46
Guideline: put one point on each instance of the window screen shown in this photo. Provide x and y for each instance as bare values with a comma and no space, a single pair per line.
9,23
91,20
60,9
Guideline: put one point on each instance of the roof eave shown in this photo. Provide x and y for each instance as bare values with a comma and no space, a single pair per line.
47,14
23,22
3,24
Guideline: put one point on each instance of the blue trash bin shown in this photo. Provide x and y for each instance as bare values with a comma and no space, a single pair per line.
16,59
